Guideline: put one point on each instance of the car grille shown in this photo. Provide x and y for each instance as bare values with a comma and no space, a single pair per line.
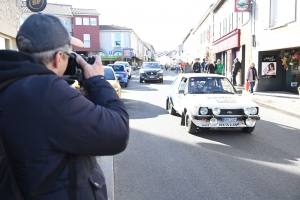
151,73
228,112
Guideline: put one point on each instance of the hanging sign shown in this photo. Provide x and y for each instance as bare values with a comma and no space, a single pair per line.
36,5
242,6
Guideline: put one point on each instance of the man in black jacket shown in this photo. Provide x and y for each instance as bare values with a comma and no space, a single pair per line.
235,69
44,120
196,66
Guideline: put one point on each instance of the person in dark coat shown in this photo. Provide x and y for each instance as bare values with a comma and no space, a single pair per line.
211,67
44,120
235,69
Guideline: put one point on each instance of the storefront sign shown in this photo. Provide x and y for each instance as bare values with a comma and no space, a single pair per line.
127,53
268,66
36,5
242,6
229,41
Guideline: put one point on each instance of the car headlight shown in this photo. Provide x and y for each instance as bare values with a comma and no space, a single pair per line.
213,122
160,71
216,111
253,110
203,111
249,122
250,111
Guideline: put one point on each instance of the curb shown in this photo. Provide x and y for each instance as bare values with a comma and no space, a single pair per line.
277,109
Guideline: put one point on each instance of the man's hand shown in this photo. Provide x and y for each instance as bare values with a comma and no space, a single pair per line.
89,71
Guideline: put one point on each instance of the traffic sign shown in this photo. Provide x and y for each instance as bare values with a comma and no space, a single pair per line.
110,53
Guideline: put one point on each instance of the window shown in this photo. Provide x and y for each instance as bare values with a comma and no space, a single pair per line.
117,39
118,53
78,21
93,21
86,21
86,40
101,53
2,43
282,12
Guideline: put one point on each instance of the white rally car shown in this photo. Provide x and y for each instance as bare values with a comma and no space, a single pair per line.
209,101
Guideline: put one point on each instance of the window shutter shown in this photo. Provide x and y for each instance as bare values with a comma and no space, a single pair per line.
266,6
122,40
112,35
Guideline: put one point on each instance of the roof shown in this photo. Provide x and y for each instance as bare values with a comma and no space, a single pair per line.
113,28
80,11
54,9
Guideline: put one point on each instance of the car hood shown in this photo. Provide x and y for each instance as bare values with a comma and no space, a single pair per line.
224,101
150,70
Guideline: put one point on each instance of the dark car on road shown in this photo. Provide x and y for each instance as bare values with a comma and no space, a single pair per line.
151,71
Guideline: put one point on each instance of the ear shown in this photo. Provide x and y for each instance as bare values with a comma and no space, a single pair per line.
57,59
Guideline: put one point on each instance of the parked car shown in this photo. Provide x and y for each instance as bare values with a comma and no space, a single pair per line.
127,65
151,71
121,71
210,101
111,77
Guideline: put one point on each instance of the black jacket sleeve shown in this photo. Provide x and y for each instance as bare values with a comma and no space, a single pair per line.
74,124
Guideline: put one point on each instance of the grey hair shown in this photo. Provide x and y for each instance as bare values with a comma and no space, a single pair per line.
45,57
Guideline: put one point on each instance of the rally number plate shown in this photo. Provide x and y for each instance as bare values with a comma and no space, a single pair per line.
229,119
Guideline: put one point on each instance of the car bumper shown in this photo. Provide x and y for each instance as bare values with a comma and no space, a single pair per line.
154,77
225,121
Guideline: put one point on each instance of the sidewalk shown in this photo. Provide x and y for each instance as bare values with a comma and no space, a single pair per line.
281,101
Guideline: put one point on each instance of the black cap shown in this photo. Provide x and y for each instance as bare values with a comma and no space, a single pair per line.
46,32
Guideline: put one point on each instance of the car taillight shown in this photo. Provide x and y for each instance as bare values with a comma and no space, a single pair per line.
124,72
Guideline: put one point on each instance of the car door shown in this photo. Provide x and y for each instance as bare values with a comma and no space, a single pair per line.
173,91
180,96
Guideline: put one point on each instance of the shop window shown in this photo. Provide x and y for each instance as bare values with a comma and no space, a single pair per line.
118,53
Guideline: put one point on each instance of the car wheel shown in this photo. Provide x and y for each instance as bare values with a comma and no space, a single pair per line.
248,129
172,111
126,84
189,125
161,80
141,80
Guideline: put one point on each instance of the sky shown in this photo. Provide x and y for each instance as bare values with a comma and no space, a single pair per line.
162,23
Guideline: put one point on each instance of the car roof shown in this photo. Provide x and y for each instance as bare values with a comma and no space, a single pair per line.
188,75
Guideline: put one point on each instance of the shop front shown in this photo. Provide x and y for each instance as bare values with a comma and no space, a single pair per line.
279,70
226,49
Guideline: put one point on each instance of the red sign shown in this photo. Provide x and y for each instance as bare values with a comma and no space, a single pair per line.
242,6
127,53
229,41
208,35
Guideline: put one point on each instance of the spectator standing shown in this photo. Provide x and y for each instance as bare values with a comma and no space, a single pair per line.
46,124
203,65
236,68
219,67
187,68
182,66
252,77
211,67
196,66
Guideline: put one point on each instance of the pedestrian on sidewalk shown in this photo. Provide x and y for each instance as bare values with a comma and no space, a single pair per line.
203,65
51,130
211,68
235,69
252,77
182,66
196,66
219,67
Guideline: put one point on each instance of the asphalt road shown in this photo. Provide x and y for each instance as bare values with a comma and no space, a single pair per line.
162,161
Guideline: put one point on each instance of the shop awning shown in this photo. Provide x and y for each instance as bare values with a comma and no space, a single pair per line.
111,58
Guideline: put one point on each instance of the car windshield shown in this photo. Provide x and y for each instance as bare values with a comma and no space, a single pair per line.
212,85
109,74
117,67
151,65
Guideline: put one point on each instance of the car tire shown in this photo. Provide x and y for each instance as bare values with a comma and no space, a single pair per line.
189,125
172,111
248,129
141,80
161,80
126,84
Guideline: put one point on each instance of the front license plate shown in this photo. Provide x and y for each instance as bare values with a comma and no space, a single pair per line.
151,76
229,124
229,119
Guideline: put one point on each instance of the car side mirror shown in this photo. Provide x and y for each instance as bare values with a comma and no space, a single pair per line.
119,78
181,92
239,92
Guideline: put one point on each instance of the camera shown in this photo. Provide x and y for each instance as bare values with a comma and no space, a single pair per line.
74,71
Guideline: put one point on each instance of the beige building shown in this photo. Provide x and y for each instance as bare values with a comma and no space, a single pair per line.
10,14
